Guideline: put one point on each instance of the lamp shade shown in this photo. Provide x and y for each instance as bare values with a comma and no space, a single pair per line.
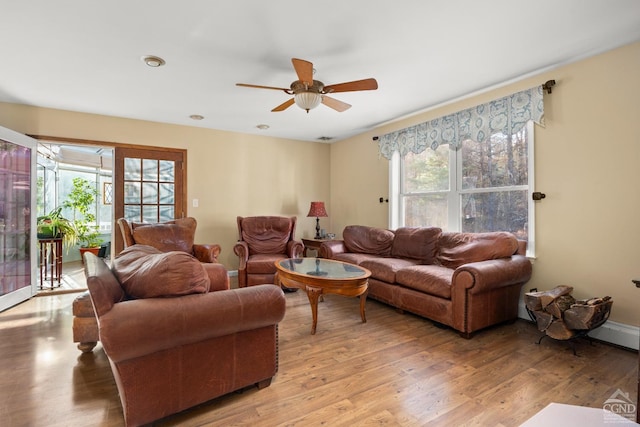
307,100
317,210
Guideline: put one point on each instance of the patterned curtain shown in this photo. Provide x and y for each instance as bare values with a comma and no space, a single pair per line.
507,115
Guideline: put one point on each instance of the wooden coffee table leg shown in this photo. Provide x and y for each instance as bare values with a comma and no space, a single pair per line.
314,294
363,300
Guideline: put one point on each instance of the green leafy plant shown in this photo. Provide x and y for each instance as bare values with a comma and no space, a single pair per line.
54,224
82,200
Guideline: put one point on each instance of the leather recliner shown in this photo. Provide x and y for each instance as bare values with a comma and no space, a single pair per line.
263,240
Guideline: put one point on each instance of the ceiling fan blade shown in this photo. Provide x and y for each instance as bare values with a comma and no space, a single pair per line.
366,84
335,104
304,70
262,87
284,105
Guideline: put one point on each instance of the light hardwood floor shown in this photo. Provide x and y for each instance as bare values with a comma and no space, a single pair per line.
395,370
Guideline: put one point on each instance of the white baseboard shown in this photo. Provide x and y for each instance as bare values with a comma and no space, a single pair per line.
233,273
611,332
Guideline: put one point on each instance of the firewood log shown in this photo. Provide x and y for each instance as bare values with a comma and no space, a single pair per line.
595,301
539,300
587,316
532,301
559,331
543,319
559,305
554,293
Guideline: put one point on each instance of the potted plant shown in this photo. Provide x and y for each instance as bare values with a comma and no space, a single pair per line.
54,225
81,200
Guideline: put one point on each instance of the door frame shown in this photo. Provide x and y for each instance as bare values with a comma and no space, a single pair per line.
179,156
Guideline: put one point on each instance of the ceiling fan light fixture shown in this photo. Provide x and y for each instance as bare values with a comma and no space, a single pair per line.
309,93
307,100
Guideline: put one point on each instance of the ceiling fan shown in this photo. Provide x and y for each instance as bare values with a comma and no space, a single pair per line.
309,93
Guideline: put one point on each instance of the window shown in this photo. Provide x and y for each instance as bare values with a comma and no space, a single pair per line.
469,171
59,164
478,187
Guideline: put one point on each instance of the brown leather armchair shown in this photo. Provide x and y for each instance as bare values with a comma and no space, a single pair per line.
177,235
263,240
168,354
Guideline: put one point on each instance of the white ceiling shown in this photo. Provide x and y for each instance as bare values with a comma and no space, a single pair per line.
86,55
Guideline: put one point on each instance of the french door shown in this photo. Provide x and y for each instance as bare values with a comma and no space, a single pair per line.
149,186
17,218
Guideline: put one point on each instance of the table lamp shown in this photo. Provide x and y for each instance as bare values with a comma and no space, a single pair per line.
317,209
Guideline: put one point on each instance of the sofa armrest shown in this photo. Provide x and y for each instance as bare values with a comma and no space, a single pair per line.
330,248
295,249
482,276
242,250
139,327
207,252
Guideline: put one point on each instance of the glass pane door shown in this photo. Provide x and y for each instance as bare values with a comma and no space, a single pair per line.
17,266
149,190
148,186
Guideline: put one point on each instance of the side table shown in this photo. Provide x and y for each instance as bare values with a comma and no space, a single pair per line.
313,244
50,251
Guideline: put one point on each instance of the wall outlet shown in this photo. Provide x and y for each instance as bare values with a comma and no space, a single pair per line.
195,203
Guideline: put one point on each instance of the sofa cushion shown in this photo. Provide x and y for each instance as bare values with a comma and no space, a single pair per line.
385,269
266,234
456,249
146,272
416,243
429,279
263,263
353,258
168,236
367,240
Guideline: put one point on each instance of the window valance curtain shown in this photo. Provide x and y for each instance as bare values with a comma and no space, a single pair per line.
507,115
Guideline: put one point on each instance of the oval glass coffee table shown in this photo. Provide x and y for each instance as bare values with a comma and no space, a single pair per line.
318,276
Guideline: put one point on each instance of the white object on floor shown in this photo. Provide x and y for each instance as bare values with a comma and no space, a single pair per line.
561,415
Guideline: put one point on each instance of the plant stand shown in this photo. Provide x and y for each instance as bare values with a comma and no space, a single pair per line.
50,256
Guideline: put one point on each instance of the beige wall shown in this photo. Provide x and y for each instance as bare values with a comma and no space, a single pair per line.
229,173
587,163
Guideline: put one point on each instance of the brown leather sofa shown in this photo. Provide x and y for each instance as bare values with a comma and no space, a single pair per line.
263,240
171,343
467,281
177,235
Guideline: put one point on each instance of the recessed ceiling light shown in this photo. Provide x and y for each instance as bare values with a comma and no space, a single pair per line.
196,117
262,127
153,61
